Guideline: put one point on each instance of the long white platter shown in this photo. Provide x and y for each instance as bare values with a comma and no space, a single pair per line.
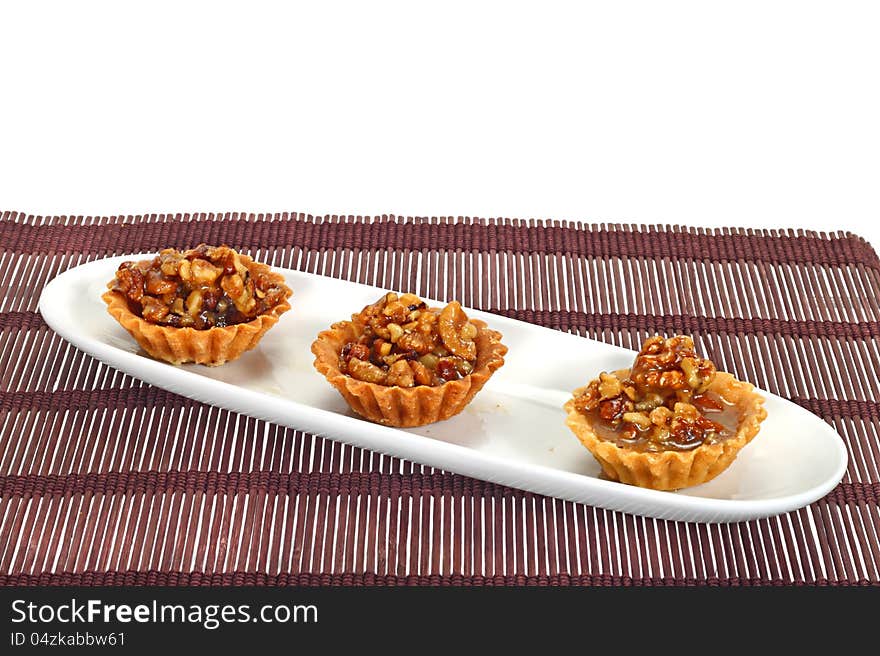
513,432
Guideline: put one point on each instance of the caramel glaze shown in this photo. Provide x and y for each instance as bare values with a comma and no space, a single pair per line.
724,415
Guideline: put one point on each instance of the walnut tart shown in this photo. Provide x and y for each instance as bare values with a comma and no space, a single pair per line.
208,304
671,421
401,363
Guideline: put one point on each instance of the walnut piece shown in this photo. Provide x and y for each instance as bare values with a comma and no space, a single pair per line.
406,343
201,288
457,332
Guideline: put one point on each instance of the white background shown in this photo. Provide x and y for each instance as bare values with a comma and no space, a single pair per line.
743,113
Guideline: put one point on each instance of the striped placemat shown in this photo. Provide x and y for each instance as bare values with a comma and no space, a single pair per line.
108,481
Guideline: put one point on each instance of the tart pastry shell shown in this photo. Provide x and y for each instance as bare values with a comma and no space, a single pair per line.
406,406
672,469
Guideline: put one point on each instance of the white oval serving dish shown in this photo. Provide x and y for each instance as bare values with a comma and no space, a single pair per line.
513,433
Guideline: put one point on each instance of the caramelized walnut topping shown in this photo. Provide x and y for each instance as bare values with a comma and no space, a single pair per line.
662,402
671,364
204,287
405,343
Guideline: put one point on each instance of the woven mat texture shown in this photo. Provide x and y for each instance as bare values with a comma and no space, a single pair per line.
108,481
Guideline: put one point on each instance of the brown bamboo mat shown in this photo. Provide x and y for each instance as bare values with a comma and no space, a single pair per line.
108,481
